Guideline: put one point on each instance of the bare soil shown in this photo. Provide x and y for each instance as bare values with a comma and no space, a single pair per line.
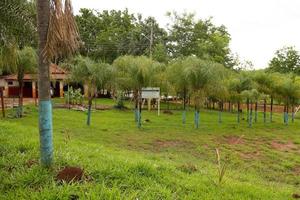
288,146
70,174
163,144
234,140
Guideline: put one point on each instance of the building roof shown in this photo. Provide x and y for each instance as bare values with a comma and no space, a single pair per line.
56,73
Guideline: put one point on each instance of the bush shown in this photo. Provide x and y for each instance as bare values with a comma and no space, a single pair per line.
73,96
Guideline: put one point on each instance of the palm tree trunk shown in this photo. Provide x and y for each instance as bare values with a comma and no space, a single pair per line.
90,102
265,110
284,113
2,102
238,113
220,112
45,106
250,118
197,113
247,110
287,112
271,110
293,113
136,101
255,114
184,107
139,123
20,108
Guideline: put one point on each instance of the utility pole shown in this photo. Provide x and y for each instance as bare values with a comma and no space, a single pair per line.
151,40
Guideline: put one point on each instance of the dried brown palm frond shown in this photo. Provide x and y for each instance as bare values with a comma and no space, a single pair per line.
62,37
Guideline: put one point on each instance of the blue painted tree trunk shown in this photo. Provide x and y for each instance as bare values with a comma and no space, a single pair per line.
88,121
220,117
139,121
265,110
45,126
238,113
136,115
250,116
197,119
286,118
271,110
184,117
255,114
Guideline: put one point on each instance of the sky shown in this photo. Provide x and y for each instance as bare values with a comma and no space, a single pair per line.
257,27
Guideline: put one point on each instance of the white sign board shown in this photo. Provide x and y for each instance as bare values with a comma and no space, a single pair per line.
151,93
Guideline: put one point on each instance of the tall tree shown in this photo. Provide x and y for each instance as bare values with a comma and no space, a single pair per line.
58,37
109,34
188,36
286,60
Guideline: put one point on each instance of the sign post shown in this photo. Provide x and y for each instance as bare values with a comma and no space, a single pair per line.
152,93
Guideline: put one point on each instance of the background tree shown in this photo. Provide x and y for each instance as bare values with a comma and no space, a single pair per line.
179,81
109,34
237,84
132,74
200,75
26,63
17,29
188,36
93,75
286,60
289,90
264,84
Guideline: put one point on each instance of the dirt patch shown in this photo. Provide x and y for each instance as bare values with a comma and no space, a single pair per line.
169,112
288,146
234,140
296,170
250,155
188,168
82,107
163,144
31,162
70,174
296,196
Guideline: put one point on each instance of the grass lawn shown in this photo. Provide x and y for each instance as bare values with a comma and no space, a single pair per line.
163,160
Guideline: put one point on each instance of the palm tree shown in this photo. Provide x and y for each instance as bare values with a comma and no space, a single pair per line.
264,84
236,86
180,83
58,36
250,96
218,88
94,75
200,75
132,74
26,63
273,91
289,89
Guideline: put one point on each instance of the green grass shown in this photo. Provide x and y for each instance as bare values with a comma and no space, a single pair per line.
163,160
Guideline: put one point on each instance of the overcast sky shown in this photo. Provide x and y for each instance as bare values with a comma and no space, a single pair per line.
257,27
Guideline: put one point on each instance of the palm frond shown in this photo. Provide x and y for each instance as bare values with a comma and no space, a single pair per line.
62,37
